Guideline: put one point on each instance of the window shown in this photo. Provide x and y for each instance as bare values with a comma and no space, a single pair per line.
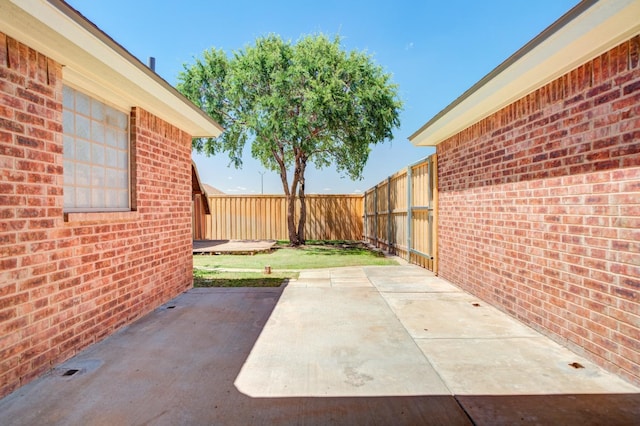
96,154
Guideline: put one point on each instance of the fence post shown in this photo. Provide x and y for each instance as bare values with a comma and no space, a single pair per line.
389,217
434,210
430,205
375,214
409,210
364,217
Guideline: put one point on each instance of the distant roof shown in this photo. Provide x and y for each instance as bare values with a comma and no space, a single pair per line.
589,29
197,188
210,190
95,62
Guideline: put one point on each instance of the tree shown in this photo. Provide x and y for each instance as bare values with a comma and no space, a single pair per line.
303,103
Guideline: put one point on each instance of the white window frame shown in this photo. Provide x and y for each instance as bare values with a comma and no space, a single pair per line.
96,136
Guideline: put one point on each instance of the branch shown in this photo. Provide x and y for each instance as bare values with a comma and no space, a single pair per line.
232,119
283,170
314,131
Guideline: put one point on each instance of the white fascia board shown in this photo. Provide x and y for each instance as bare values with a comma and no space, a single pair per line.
94,62
593,31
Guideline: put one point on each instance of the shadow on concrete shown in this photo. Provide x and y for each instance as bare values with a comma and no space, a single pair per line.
178,365
610,409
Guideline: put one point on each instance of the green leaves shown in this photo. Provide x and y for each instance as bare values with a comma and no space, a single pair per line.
309,102
311,95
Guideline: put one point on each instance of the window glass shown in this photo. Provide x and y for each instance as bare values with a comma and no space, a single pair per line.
96,154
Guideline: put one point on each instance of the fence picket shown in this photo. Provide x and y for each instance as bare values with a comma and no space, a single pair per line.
400,214
264,217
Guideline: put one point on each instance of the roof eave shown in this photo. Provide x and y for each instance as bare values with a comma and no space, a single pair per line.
94,61
586,31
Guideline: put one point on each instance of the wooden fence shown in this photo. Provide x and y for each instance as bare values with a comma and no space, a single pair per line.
264,217
199,217
400,214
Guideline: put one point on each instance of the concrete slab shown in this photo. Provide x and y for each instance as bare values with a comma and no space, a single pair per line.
394,271
317,354
516,366
347,277
311,282
336,342
412,284
349,282
348,272
178,366
315,273
453,315
572,409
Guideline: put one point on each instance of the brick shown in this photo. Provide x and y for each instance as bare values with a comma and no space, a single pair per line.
607,98
8,314
630,283
10,326
626,104
65,270
595,195
11,125
630,88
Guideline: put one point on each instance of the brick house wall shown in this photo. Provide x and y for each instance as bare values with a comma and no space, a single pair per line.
539,209
67,281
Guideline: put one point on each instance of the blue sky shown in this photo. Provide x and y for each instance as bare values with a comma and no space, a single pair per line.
435,50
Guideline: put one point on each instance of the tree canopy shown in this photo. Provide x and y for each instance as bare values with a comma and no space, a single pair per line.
302,103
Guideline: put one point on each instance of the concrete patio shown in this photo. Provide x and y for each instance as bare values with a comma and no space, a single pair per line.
364,345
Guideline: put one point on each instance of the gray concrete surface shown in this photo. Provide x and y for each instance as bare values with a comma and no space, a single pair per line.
372,346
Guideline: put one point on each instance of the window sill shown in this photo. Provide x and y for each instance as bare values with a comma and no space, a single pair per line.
101,217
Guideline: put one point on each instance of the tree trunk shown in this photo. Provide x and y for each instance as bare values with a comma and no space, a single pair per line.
291,216
303,203
290,194
303,217
296,236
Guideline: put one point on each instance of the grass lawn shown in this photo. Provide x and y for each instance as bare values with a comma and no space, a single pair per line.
284,263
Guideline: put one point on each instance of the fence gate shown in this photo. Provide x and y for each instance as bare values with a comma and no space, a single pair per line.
400,214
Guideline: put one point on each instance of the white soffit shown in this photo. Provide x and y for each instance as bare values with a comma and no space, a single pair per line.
586,31
94,62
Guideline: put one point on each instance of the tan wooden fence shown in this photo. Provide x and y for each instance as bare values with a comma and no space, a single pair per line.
400,214
264,217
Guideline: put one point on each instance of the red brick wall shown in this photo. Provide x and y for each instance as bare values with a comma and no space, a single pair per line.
66,282
539,209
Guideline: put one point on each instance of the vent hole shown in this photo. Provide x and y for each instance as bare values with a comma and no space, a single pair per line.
70,372
576,365
477,305
170,307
